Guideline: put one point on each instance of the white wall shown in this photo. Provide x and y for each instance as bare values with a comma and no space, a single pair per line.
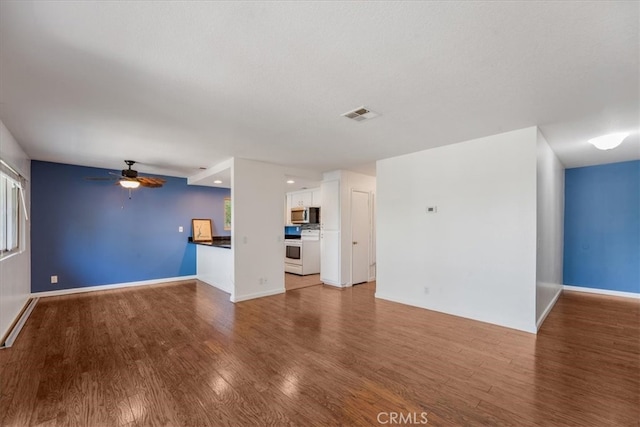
257,229
477,254
550,227
15,272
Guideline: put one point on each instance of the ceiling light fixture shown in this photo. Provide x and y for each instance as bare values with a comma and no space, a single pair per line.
217,181
291,181
125,183
607,142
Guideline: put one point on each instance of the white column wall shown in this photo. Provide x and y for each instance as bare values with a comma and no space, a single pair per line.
475,257
550,226
257,233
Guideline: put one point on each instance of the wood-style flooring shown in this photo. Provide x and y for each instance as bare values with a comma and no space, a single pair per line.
293,281
183,355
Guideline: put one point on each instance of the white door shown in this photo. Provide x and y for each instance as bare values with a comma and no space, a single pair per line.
360,236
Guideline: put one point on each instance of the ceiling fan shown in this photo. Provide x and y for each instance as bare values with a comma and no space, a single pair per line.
128,178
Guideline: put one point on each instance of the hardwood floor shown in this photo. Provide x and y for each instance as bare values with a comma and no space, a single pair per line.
293,281
183,355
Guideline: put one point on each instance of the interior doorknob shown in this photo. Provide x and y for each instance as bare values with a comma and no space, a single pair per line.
355,243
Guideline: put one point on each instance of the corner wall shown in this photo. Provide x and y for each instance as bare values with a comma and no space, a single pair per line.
257,229
475,257
15,271
550,228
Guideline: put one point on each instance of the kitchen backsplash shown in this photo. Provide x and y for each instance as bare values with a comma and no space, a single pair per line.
293,229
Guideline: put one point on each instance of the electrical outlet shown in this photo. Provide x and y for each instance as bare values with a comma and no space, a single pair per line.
54,279
180,229
426,290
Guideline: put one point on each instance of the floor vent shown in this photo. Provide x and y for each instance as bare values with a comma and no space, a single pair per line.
360,114
17,326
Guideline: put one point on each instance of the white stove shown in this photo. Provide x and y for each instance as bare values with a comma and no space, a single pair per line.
302,256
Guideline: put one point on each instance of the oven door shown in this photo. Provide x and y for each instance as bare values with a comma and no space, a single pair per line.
293,254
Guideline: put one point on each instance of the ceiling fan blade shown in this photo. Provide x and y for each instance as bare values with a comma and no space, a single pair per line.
150,182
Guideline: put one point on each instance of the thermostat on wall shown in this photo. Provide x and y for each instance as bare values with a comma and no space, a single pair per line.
432,209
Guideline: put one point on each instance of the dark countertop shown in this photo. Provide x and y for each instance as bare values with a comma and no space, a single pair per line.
218,241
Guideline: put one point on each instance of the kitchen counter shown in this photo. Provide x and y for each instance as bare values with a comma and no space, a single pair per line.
218,241
214,262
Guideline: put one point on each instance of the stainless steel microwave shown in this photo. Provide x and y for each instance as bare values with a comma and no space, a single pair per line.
305,215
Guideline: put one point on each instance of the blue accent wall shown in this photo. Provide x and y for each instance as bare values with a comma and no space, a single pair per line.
602,227
90,233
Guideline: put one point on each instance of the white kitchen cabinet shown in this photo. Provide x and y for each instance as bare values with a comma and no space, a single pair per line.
304,198
301,198
287,209
330,233
316,199
330,214
330,257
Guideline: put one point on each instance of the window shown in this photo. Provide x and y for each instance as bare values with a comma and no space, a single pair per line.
11,215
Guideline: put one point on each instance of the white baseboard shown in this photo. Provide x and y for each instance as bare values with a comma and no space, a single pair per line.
112,286
601,291
228,291
332,283
234,298
547,310
398,300
411,303
17,327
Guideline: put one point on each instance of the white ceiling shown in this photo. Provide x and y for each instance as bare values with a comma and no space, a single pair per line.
182,85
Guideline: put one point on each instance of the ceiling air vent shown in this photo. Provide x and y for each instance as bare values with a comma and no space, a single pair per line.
360,114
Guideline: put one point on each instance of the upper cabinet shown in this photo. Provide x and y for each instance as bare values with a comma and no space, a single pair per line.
303,198
287,208
331,205
316,200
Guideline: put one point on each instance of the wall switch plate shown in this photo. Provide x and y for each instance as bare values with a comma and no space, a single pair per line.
432,209
180,229
54,279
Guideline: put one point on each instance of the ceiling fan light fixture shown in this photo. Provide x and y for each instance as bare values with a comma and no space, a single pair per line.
125,183
610,141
